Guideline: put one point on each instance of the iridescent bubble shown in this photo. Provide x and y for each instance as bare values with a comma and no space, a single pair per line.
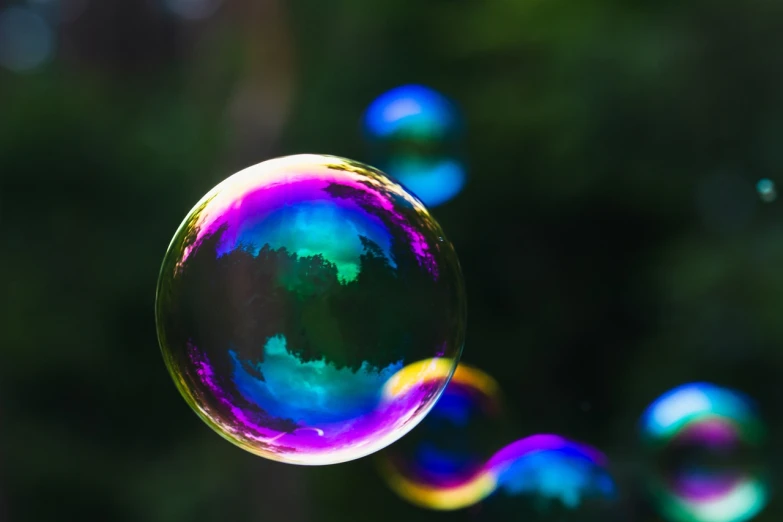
310,310
766,190
550,469
59,11
415,131
26,40
412,112
433,467
704,440
545,470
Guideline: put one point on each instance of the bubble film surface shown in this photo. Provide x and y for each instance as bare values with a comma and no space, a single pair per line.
705,440
310,310
415,134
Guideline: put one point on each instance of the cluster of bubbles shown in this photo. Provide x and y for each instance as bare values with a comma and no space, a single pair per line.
442,465
704,442
701,439
414,133
310,310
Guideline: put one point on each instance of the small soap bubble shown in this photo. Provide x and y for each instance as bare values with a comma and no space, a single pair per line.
766,190
415,131
704,444
193,9
434,467
26,40
308,311
434,180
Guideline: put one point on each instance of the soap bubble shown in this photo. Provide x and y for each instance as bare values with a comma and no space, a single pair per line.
767,191
26,40
542,472
412,112
432,467
452,461
310,310
704,440
415,134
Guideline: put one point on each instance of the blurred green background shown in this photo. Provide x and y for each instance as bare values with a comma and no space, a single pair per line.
611,235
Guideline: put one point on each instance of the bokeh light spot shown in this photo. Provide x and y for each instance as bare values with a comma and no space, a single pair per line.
193,9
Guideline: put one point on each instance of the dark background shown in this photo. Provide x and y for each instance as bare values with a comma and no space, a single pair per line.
612,239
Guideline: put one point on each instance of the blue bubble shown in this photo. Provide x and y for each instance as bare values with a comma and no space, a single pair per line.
434,180
193,9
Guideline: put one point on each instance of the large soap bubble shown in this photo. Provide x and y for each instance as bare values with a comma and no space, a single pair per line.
310,310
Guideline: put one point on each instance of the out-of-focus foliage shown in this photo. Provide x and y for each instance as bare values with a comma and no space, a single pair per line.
611,235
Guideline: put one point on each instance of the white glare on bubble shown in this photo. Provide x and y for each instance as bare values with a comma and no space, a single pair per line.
766,189
26,41
193,9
